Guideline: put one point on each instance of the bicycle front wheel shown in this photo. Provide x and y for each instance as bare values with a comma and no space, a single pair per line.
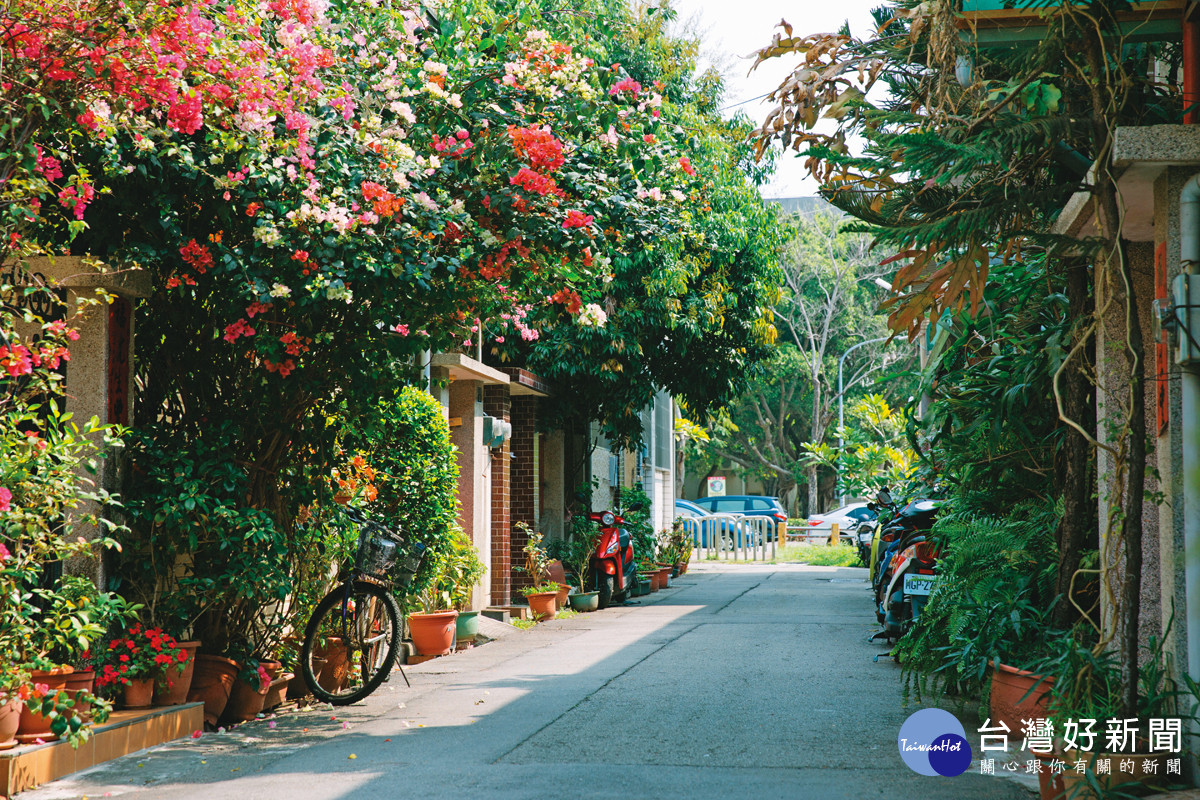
350,643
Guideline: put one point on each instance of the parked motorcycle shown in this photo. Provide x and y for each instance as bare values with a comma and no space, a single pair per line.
614,571
903,566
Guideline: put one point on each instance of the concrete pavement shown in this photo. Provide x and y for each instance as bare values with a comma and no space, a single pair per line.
745,680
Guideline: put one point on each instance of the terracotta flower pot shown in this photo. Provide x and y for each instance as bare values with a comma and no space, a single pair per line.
212,681
246,700
334,659
278,691
33,727
81,679
655,581
664,577
543,604
555,571
172,687
564,591
138,693
10,722
1076,785
1050,784
433,634
1009,686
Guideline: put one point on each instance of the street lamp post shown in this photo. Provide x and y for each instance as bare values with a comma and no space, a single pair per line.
841,408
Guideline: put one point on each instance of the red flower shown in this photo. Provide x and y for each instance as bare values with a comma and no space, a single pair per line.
687,165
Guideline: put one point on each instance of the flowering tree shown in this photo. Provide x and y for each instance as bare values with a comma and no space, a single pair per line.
322,192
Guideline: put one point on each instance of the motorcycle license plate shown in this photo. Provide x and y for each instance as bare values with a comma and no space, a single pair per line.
919,584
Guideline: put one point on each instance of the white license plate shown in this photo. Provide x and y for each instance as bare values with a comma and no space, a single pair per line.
919,584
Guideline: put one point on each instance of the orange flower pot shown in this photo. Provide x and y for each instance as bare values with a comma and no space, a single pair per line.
433,634
543,604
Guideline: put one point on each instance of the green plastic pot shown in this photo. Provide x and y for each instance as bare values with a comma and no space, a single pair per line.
584,601
643,586
467,625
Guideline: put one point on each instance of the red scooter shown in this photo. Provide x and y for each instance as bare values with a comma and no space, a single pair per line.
613,569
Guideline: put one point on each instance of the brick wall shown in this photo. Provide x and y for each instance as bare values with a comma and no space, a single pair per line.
496,404
524,473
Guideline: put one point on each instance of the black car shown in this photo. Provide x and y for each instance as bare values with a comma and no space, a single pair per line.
748,505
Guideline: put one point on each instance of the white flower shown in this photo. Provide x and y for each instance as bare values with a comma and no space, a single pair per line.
677,195
279,290
592,316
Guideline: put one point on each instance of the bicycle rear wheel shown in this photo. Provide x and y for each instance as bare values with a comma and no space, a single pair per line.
350,643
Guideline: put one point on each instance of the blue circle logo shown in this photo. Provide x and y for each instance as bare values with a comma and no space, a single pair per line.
933,742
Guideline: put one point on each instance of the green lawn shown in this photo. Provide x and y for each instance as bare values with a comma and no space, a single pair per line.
819,555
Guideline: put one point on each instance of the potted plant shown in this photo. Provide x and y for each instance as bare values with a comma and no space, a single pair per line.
248,695
433,629
543,600
461,571
135,659
578,558
1088,685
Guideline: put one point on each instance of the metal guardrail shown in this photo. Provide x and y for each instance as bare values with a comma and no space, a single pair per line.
734,537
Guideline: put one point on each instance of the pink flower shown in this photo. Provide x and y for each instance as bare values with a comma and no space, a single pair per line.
4,554
186,115
577,219
5,503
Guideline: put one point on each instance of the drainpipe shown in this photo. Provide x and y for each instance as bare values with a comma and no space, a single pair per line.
1189,256
1191,71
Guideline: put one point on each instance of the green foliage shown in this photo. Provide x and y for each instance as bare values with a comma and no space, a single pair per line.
876,449
992,427
790,404
991,602
580,547
406,438
635,510
461,570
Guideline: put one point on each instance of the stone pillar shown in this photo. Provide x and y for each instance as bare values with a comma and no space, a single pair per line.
97,378
496,404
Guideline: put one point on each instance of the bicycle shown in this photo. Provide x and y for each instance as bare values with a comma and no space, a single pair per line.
351,640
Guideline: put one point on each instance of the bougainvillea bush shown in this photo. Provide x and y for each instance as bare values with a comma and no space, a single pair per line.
322,193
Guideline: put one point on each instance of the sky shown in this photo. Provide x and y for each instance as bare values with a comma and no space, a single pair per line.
732,29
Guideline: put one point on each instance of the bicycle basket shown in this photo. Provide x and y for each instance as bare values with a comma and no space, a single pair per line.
407,565
378,553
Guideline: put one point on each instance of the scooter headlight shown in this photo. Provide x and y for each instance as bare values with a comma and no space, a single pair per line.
608,519
613,546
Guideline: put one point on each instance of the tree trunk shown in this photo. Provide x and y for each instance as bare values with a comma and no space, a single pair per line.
818,434
1078,530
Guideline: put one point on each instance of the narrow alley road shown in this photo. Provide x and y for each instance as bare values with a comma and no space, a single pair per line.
743,682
